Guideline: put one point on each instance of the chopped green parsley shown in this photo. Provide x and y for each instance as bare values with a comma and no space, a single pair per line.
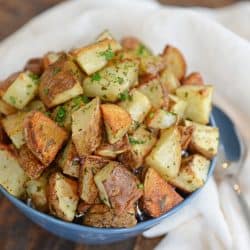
108,54
133,141
96,77
60,115
125,96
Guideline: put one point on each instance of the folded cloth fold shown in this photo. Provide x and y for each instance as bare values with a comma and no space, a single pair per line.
215,42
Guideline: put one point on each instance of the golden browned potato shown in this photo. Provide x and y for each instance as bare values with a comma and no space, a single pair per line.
199,101
35,105
117,121
174,61
13,126
60,82
43,136
30,164
169,80
113,82
22,90
151,65
186,133
12,176
68,160
192,174
194,78
6,109
51,57
86,127
136,46
5,84
141,142
90,166
101,215
159,197
62,196
118,187
165,157
35,65
177,106
37,192
161,119
137,105
95,56
204,140
112,150
155,92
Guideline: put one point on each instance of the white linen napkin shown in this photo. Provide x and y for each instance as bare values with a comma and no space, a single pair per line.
213,219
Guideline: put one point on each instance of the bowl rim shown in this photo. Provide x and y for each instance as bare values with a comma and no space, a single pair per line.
138,227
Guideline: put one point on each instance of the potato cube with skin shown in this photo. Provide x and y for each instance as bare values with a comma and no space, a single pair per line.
62,196
50,58
186,133
30,164
141,142
13,126
118,187
43,136
155,92
161,119
86,127
192,174
101,215
177,106
35,105
106,35
194,78
22,90
151,65
117,121
6,109
165,157
204,140
35,65
112,82
68,160
199,101
169,80
60,82
137,105
90,166
37,192
112,150
174,61
159,197
95,56
12,176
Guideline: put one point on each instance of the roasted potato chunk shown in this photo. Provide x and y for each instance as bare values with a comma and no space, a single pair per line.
117,187
159,197
112,82
106,35
30,164
86,127
35,105
141,142
177,106
37,192
90,166
136,46
6,109
161,119
186,133
194,78
60,82
174,61
117,121
62,196
165,157
151,65
5,84
155,92
95,56
68,160
169,80
35,65
192,174
112,150
12,176
40,136
137,105
204,140
13,126
199,102
22,90
101,215
51,57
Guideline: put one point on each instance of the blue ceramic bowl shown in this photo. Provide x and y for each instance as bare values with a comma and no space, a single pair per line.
91,235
